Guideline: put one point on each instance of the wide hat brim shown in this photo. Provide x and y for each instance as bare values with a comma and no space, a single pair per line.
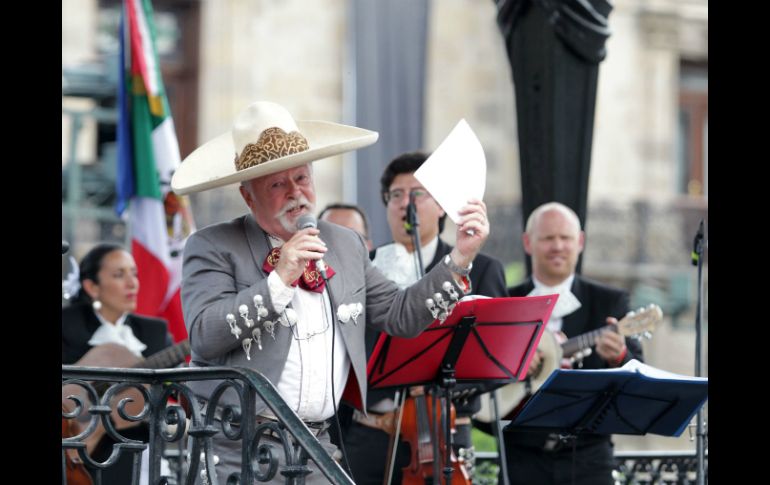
212,164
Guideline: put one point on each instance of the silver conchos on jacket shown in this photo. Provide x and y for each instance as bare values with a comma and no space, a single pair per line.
441,307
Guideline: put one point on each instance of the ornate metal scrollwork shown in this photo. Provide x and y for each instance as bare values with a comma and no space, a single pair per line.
177,417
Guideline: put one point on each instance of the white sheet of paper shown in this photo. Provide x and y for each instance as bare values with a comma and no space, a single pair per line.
456,171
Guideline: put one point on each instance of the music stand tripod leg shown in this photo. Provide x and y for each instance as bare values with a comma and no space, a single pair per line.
447,382
499,436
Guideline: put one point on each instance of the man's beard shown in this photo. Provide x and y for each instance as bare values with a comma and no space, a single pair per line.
283,217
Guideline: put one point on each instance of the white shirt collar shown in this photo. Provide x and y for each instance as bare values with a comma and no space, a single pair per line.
275,241
118,333
118,323
564,285
567,302
399,266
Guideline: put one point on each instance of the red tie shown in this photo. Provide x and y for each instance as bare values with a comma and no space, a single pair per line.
310,280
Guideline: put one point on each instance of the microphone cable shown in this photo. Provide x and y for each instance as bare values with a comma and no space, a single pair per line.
306,221
334,397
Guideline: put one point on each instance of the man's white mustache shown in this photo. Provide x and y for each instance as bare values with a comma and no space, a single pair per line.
291,205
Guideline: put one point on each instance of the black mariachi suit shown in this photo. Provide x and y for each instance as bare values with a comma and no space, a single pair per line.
367,447
527,460
79,322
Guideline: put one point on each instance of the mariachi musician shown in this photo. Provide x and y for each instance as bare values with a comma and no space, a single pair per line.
554,240
367,437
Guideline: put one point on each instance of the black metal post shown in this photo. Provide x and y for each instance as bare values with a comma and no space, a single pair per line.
554,48
700,434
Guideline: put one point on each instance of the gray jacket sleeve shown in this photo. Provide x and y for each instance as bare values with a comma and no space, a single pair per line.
211,291
404,313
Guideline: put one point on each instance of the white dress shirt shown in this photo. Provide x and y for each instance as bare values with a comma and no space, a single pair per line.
305,383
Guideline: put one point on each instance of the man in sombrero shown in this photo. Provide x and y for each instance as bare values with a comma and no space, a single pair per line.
252,291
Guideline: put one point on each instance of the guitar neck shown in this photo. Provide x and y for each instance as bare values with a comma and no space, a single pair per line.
639,322
581,342
168,357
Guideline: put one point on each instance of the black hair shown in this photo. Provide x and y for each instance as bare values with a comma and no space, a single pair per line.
404,163
90,266
353,207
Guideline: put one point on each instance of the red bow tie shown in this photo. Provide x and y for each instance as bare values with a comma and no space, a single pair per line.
310,280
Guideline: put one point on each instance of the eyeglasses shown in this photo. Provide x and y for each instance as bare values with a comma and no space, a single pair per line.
397,195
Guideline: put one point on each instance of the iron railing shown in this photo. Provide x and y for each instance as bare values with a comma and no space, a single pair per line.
631,468
657,468
180,428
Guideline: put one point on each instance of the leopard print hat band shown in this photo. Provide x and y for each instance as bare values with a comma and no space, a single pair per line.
273,144
265,131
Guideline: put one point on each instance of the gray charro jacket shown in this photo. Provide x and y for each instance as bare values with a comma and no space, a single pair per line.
223,270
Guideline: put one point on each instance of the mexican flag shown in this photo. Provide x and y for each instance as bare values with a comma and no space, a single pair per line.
148,153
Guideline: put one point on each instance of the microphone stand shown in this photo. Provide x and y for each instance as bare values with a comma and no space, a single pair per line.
412,225
412,228
697,260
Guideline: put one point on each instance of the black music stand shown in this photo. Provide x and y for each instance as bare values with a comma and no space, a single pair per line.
635,399
486,341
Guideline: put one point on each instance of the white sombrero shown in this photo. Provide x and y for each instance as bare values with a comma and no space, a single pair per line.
265,139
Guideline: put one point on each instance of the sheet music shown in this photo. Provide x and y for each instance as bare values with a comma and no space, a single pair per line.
634,365
456,171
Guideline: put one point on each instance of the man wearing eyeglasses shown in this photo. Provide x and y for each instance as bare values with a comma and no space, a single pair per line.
366,440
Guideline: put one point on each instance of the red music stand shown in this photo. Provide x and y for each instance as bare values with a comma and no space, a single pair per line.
487,341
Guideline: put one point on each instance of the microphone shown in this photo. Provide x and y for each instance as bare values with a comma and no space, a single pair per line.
697,243
309,220
305,221
65,246
411,221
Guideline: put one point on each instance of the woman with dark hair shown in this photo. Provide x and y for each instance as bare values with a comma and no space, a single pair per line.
101,311
99,330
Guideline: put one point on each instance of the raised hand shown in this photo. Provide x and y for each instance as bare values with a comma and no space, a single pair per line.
304,246
472,232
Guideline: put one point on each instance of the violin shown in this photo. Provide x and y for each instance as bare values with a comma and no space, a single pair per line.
76,471
417,430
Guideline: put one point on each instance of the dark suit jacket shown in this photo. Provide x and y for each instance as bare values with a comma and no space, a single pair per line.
487,275
598,302
78,324
487,278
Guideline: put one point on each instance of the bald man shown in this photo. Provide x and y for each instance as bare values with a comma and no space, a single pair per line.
350,216
554,240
